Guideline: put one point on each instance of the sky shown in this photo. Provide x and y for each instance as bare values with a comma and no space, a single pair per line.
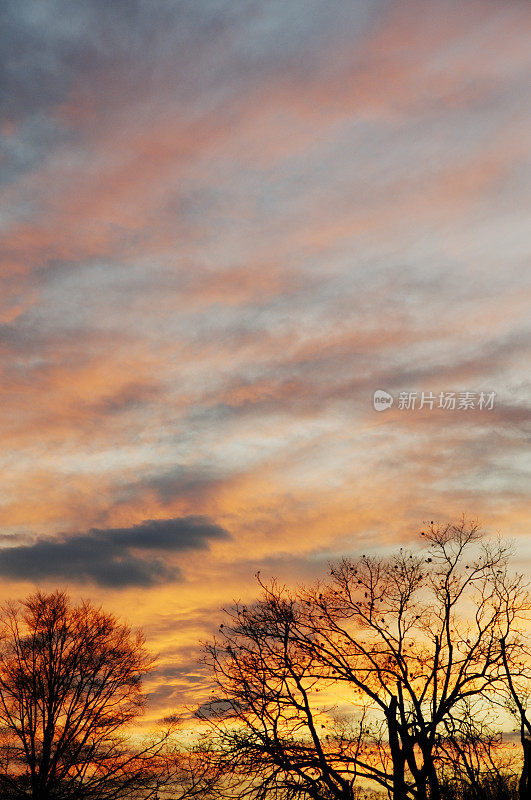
225,224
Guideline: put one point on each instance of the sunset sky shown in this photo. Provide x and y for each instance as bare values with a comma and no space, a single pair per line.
226,224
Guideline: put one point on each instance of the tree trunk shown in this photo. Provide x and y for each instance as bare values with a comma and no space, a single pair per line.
433,780
426,779
397,755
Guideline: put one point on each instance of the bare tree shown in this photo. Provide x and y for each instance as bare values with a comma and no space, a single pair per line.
70,685
273,734
409,638
418,634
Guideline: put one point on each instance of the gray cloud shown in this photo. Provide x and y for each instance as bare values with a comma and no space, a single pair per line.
54,51
51,44
114,557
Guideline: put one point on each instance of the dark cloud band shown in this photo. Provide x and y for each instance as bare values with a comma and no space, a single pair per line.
113,557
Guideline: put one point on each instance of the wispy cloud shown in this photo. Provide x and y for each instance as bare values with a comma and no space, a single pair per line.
224,225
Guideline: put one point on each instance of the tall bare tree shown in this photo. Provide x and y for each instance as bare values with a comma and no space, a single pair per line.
409,638
273,733
70,685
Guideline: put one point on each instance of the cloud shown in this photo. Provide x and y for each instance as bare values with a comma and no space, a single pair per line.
213,708
113,557
268,211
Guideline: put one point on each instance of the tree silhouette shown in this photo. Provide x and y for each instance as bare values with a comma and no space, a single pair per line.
408,640
70,684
